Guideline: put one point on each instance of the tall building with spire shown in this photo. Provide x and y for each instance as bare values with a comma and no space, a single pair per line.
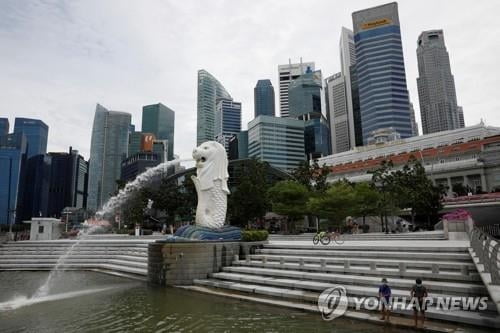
436,85
209,91
108,147
380,70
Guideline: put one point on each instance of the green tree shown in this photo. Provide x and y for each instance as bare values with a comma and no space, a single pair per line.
366,200
335,204
313,176
248,199
289,198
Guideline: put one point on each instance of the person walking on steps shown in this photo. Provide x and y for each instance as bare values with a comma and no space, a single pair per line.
419,294
384,294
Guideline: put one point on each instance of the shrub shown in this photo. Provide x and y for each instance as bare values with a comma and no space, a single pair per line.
254,235
365,228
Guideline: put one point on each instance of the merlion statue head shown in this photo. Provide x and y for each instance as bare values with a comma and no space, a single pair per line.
211,164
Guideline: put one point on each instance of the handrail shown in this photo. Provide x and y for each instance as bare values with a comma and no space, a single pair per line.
487,250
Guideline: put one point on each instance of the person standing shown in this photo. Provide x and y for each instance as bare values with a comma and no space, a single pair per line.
419,294
384,294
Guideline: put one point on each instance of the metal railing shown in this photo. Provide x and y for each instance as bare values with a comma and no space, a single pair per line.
487,249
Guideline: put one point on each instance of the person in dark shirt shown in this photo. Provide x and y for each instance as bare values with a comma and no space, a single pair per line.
419,294
384,294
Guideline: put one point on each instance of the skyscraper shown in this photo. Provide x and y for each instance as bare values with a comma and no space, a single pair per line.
54,181
342,99
461,119
209,90
108,148
304,101
286,74
380,70
263,96
278,141
160,120
36,132
337,112
4,126
414,125
436,85
227,120
13,150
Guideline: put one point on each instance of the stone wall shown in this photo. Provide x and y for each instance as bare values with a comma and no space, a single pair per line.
180,263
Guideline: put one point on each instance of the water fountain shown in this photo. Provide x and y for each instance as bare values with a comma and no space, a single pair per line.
211,187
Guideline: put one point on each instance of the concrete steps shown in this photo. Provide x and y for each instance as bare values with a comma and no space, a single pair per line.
298,273
126,258
423,235
488,319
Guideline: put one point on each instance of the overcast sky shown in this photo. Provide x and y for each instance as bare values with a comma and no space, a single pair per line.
59,58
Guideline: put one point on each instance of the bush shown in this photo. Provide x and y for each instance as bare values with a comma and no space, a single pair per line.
365,228
254,235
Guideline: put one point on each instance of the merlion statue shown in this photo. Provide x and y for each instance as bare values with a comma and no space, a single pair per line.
211,184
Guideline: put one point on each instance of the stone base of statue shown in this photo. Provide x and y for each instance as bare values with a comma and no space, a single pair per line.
226,233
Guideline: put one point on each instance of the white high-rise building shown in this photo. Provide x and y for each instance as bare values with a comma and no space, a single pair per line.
336,109
286,74
340,98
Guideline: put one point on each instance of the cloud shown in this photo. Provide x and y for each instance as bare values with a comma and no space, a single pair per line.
60,58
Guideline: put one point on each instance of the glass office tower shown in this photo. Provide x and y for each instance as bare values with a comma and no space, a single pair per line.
13,150
263,95
160,120
227,121
36,132
108,148
209,91
383,94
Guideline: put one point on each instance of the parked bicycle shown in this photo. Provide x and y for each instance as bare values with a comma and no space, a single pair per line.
326,237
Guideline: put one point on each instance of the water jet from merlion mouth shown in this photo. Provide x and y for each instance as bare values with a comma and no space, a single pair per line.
143,179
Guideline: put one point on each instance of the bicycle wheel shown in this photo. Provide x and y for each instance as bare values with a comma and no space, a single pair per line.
325,240
316,239
339,239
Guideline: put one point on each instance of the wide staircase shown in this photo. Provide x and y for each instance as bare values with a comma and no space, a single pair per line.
422,235
294,274
127,258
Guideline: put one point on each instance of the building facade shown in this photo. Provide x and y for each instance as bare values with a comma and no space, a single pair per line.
304,94
436,85
209,90
263,97
278,141
137,164
238,146
36,132
380,70
287,73
160,120
13,152
227,120
4,126
468,156
337,112
54,181
109,146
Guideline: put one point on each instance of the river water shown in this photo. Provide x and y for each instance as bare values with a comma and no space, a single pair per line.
94,302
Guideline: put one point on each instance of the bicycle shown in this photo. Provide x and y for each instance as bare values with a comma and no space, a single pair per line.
326,237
